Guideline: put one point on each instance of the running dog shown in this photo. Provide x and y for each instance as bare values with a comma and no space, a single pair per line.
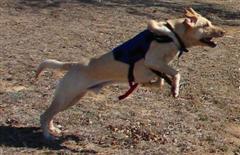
139,60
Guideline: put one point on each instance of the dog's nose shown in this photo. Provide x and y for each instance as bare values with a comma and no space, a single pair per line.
222,32
219,32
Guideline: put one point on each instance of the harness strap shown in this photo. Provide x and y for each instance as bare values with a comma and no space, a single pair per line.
162,75
162,38
182,47
130,74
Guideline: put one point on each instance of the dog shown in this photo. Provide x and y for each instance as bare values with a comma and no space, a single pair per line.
153,50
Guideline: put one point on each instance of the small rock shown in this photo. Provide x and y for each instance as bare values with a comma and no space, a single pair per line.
9,78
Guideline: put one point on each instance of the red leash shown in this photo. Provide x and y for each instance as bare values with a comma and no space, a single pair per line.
130,90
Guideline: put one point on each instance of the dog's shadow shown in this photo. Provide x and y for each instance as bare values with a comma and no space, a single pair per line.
31,137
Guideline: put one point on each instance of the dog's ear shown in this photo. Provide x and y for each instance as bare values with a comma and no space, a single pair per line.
190,11
191,17
190,21
193,11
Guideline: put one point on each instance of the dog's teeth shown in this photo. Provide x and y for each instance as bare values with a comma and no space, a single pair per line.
59,126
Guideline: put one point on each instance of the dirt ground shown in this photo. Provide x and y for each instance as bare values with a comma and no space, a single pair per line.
205,119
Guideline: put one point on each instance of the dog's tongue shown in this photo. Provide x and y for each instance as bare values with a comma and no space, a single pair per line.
209,42
212,44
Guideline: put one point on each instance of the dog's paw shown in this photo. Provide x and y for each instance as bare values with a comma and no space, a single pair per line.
50,138
175,85
55,130
175,92
161,84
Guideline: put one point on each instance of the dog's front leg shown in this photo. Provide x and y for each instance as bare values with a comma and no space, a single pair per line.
166,69
161,83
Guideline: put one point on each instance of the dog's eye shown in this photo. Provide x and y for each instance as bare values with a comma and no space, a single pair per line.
206,25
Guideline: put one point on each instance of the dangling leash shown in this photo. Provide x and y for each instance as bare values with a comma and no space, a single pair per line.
134,85
131,82
130,90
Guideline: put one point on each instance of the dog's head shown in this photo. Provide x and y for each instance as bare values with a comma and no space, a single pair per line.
199,30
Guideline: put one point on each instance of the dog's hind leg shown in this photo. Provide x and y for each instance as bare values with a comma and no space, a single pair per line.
47,117
66,106
59,103
47,122
71,88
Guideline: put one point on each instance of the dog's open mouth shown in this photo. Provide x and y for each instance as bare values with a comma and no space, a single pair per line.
209,42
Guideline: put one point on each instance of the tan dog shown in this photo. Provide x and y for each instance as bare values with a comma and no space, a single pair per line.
193,30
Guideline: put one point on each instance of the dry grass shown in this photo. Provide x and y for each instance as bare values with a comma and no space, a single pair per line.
204,120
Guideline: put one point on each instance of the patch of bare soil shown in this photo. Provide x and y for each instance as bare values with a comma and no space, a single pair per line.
203,120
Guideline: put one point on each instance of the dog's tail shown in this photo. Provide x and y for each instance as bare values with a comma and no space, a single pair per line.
54,64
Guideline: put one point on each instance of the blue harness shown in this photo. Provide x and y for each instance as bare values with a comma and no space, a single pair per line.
136,48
